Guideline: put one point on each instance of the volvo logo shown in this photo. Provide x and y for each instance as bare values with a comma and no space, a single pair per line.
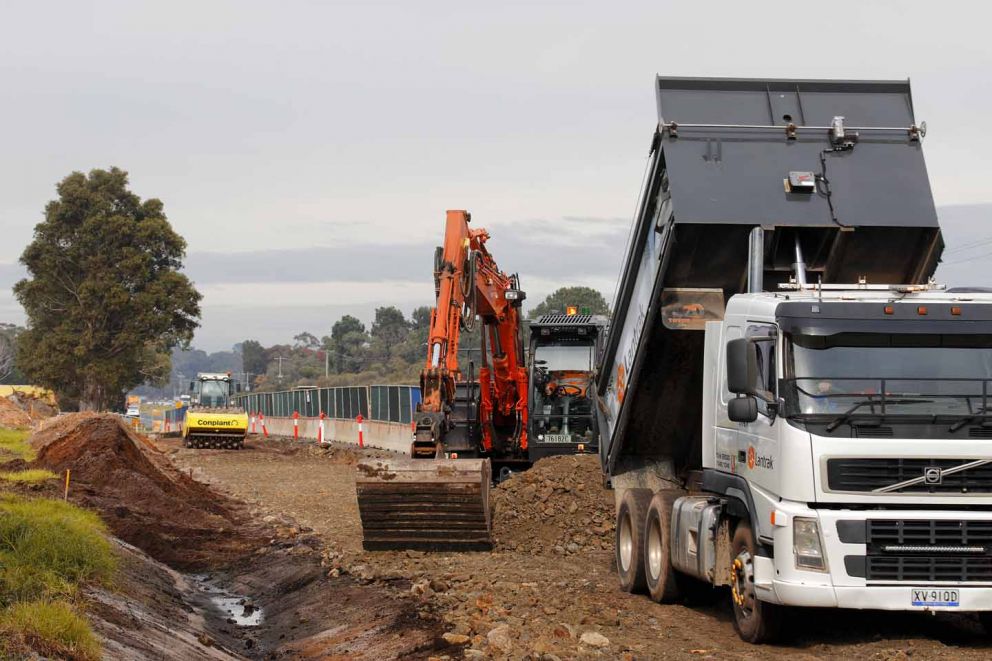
933,475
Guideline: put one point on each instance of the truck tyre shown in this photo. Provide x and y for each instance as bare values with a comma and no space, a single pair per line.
756,621
659,575
629,546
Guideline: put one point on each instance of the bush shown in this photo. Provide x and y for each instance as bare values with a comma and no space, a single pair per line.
51,629
29,476
15,442
47,547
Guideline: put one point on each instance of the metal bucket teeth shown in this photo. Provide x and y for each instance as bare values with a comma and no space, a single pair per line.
426,505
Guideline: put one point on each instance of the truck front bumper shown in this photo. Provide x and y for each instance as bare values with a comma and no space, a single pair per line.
846,583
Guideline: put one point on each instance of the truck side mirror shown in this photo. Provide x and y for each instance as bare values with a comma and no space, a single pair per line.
238,387
742,409
191,384
742,367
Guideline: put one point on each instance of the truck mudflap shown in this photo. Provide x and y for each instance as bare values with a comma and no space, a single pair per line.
425,505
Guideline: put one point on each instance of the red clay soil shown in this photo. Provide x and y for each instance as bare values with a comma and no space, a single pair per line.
144,499
12,415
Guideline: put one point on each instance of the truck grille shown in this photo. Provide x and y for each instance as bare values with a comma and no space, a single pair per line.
929,550
864,475
932,532
929,568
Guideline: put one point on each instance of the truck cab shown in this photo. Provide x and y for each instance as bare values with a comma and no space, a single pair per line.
857,420
564,349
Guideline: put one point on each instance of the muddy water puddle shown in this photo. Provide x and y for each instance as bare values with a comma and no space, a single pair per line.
237,609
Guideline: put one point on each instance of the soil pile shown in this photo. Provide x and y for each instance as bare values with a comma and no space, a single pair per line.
23,410
12,414
143,498
557,507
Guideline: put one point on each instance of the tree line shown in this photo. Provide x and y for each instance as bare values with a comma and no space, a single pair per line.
110,311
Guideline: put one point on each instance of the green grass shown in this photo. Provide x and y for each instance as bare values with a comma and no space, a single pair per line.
47,547
15,442
50,628
29,476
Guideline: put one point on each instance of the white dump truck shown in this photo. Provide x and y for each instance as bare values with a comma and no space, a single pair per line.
790,408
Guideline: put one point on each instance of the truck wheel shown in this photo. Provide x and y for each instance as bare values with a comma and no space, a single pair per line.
658,571
756,621
985,618
629,546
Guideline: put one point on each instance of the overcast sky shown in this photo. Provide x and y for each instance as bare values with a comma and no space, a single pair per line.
307,150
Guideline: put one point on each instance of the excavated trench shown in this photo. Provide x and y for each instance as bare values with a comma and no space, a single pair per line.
203,576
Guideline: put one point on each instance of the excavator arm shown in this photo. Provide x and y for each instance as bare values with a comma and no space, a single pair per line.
470,287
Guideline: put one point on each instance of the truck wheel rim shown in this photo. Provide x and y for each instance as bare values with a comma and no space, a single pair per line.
742,582
655,549
626,546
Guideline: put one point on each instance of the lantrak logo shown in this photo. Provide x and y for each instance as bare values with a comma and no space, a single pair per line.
754,460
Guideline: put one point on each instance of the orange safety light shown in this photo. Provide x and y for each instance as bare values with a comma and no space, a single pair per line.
955,310
921,309
890,309
571,310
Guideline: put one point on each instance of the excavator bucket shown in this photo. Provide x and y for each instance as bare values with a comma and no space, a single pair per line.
425,505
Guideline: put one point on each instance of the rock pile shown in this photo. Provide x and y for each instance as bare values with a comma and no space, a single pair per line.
557,507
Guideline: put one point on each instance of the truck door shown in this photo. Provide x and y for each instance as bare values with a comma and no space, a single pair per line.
725,432
758,446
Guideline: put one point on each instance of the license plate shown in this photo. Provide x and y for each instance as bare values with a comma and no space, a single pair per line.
936,597
557,438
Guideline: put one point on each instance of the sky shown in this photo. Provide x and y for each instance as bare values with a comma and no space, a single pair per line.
307,151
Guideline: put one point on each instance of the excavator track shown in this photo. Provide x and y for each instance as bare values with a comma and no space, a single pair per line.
425,505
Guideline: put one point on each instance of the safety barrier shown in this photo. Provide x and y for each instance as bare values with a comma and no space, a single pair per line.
377,416
377,402
161,418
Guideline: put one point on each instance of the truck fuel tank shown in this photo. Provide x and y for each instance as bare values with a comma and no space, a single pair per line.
695,526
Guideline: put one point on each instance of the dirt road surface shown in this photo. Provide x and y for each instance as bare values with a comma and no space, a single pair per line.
545,598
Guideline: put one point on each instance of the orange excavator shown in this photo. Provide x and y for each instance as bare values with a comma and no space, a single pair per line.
470,288
466,422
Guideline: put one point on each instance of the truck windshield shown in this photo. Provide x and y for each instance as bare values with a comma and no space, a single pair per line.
213,393
873,374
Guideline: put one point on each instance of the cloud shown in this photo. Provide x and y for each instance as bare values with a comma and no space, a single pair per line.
537,248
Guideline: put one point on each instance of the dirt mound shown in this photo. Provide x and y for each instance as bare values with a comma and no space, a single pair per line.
557,507
23,409
12,415
144,499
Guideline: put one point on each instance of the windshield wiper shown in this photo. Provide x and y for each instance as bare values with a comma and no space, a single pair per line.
980,413
846,415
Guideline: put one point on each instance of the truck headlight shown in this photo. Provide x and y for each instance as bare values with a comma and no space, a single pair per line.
806,544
